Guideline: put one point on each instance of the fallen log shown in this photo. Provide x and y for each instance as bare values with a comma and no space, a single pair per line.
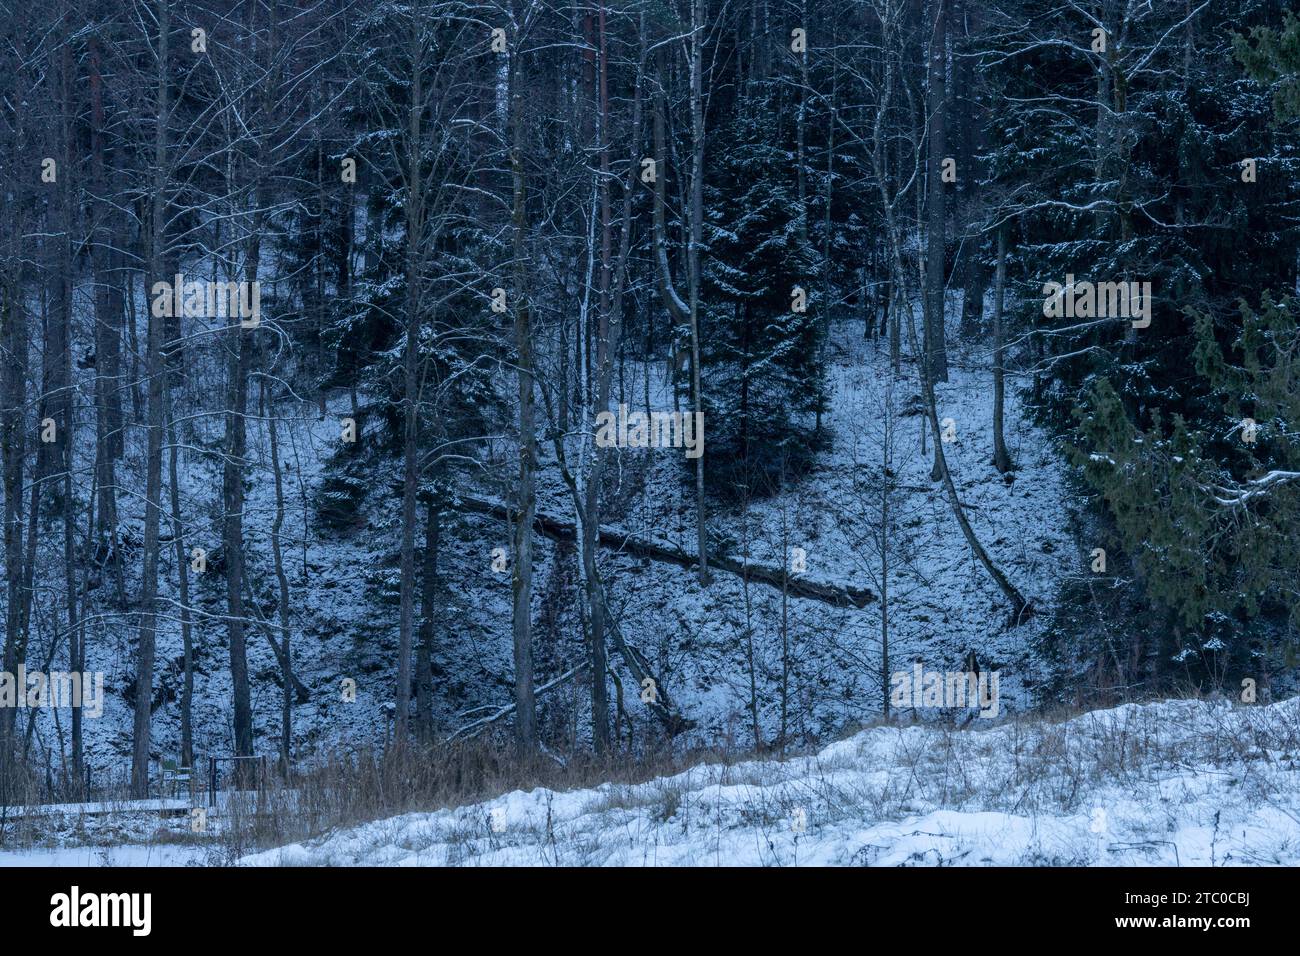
796,585
657,700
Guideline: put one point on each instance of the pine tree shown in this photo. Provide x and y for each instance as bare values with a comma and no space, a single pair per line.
763,380
1209,513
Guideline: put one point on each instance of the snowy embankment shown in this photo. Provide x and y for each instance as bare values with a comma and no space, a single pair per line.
1170,783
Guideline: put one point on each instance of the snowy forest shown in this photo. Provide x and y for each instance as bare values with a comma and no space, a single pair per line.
453,397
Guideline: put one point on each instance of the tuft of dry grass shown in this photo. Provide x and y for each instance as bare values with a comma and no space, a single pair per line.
345,789
1025,765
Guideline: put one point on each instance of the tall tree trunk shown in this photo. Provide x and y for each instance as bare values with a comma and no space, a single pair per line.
187,636
68,403
233,527
604,369
935,335
972,123
13,429
885,488
282,584
428,608
155,367
698,21
526,503
414,203
785,629
77,655
1001,460
108,265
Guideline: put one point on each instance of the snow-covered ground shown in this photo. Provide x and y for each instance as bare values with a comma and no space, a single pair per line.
700,641
129,854
942,603
1170,783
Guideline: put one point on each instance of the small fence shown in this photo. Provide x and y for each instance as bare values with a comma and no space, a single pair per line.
173,790
247,773
244,768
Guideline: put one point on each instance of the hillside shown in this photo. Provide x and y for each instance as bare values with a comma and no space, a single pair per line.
941,604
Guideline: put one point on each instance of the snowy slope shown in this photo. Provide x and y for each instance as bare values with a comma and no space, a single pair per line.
345,616
1170,783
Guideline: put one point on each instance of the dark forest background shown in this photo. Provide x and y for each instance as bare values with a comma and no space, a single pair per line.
471,222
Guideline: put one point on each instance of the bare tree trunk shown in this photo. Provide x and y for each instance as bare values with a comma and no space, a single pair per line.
893,310
750,661
187,637
154,364
1001,460
886,489
604,369
785,628
13,428
233,530
884,596
428,607
522,581
67,403
414,203
685,313
935,336
971,118
698,19
107,262
77,655
282,582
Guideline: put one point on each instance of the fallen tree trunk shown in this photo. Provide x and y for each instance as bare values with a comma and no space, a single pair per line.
650,688
836,595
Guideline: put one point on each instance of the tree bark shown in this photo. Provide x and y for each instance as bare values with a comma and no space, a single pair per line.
187,638
154,364
428,608
526,502
414,205
935,335
1001,460
698,19
604,369
282,584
